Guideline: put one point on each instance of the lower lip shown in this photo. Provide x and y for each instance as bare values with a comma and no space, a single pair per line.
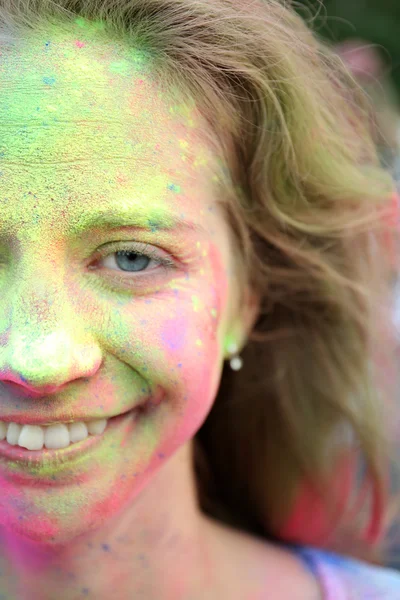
57,457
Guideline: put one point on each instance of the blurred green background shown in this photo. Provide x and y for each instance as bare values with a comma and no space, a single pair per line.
375,21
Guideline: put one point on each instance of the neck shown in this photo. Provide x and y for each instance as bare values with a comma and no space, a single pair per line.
159,548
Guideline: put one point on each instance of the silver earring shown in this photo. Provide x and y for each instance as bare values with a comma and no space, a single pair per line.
236,363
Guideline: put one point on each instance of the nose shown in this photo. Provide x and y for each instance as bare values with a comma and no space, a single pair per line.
34,370
44,342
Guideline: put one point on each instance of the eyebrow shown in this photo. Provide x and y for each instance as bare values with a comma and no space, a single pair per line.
115,220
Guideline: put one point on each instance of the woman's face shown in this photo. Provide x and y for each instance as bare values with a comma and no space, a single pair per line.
95,160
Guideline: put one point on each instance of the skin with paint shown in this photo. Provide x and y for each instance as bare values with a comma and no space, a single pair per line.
95,160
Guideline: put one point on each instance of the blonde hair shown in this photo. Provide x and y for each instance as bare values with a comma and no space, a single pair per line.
307,201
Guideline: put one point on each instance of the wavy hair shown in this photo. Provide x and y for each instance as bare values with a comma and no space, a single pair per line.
279,454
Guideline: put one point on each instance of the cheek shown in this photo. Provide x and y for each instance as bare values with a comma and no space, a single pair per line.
192,336
192,363
188,349
174,336
173,340
166,333
190,345
171,343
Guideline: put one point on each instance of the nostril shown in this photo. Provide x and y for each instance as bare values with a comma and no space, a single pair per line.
28,391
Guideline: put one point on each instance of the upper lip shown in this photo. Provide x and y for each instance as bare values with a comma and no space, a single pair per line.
61,418
38,415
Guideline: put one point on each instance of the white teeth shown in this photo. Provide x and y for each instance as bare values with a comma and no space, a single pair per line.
13,432
78,431
30,437
97,427
33,437
55,436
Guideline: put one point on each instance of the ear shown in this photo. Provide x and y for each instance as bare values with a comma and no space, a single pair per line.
244,321
249,311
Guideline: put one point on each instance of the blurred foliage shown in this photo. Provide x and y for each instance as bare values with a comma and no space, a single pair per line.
375,21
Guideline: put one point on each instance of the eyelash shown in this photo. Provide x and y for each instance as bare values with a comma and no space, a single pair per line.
131,248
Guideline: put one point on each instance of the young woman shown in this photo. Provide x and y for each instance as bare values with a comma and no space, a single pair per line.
197,251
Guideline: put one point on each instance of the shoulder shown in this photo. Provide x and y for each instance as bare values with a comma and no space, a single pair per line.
345,577
255,567
289,574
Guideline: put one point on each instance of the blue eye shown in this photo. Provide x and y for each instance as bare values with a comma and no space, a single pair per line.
130,261
133,259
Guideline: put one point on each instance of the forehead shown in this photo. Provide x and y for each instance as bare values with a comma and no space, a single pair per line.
87,122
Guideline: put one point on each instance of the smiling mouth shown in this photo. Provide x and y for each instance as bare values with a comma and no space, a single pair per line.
53,436
56,436
32,462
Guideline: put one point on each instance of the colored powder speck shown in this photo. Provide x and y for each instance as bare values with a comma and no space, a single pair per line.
90,25
200,161
174,188
214,313
79,44
139,57
199,343
229,342
154,226
183,143
172,335
49,80
196,303
121,66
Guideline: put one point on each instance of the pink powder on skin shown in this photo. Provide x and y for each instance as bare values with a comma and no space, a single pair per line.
105,344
